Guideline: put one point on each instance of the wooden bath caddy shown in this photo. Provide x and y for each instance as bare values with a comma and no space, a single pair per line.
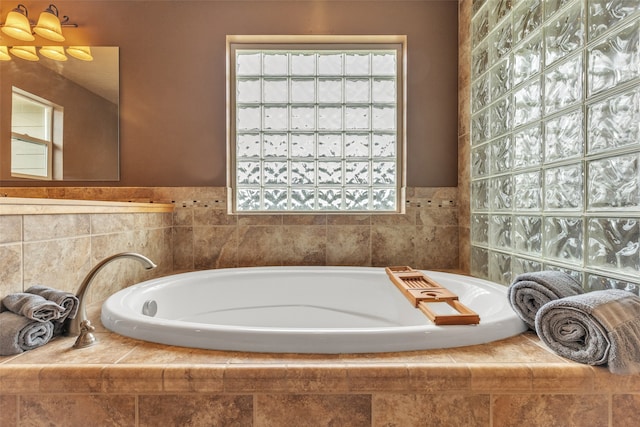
422,291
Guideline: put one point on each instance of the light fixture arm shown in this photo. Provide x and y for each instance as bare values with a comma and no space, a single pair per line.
52,8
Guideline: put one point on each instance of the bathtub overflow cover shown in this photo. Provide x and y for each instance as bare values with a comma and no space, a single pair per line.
150,308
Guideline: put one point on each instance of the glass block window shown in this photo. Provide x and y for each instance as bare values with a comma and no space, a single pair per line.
555,140
316,126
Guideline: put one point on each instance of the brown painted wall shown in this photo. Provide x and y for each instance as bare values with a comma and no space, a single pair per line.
172,76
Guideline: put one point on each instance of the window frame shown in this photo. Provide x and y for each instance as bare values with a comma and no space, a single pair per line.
344,43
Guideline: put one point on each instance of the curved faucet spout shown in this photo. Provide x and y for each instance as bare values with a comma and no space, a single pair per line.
74,325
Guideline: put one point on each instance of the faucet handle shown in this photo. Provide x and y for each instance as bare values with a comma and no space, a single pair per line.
86,338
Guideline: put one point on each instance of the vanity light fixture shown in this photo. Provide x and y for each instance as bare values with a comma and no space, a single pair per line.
80,52
53,52
17,24
4,54
49,25
25,52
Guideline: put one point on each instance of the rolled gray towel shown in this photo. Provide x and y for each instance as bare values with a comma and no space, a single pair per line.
530,291
66,300
19,334
596,328
32,306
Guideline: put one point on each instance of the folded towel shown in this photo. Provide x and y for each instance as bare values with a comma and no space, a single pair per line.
596,328
19,334
32,306
530,291
66,300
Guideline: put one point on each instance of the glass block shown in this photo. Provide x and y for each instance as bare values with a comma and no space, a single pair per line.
356,173
527,234
528,188
248,173
276,118
564,34
330,64
563,85
527,147
480,60
383,90
614,182
563,239
356,199
383,117
329,91
552,6
303,144
329,118
384,199
248,64
480,160
477,5
527,18
303,199
248,145
499,9
563,187
248,199
248,118
614,244
303,91
303,173
604,14
480,195
303,118
601,283
275,199
480,27
576,274
275,91
480,229
615,60
500,42
357,91
501,117
500,267
330,145
527,60
501,156
383,64
613,123
329,198
527,103
479,262
275,172
564,137
275,64
356,145
480,129
500,76
303,64
383,173
384,145
275,145
522,265
248,91
501,193
500,231
357,117
480,93
329,172
357,64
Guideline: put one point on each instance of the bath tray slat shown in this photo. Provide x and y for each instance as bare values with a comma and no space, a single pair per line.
424,293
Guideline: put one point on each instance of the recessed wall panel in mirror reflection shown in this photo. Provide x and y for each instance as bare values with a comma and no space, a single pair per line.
85,126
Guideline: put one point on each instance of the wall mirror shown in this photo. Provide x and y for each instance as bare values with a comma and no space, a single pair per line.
59,120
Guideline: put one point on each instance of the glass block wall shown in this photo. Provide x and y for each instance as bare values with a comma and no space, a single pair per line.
555,140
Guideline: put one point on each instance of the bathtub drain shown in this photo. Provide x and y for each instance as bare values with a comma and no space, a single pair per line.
150,308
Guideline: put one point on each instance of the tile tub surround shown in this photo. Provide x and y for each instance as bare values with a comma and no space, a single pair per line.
121,381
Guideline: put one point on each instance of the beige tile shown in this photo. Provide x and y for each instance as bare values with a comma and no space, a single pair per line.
392,245
10,229
498,377
183,255
349,245
77,410
450,409
436,248
250,377
74,378
215,247
131,379
194,378
9,410
550,410
259,245
11,271
374,377
304,219
23,379
516,349
312,410
195,410
429,378
625,410
112,223
248,220
208,216
159,354
563,377
46,227
315,378
344,219
304,245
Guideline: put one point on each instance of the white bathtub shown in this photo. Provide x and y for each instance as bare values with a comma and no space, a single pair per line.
301,310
